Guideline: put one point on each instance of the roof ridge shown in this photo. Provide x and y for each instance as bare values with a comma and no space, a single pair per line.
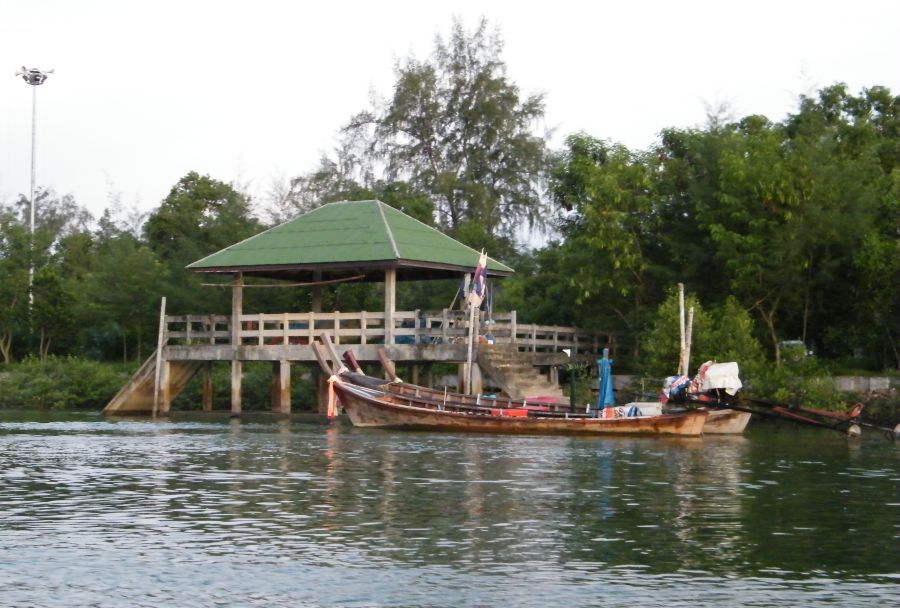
388,228
433,229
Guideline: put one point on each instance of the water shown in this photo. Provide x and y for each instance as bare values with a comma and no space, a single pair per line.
262,512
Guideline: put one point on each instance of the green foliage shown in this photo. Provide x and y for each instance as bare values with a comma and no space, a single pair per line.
726,333
256,389
800,381
59,382
584,385
662,341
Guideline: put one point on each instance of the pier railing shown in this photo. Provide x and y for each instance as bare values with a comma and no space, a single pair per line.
412,327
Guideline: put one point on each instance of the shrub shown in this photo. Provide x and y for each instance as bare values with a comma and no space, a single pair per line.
60,382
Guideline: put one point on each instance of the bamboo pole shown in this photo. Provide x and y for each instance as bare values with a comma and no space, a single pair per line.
160,339
681,330
687,341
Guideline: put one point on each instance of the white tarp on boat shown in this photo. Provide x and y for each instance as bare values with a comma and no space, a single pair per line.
721,376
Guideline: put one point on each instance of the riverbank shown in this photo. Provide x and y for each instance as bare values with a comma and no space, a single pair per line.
71,383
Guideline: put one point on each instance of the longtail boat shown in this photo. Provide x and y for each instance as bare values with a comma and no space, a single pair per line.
367,404
718,421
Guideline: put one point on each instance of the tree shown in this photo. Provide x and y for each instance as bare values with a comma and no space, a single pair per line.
14,260
31,319
126,280
200,216
610,226
457,129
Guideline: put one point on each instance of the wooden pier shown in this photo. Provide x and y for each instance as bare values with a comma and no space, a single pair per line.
361,241
190,344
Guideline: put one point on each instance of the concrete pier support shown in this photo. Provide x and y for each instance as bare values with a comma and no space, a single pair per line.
320,382
281,387
237,375
207,387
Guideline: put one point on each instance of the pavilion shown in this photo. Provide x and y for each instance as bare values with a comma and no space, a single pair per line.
366,241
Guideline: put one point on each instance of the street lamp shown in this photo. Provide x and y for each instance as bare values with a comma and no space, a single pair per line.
34,77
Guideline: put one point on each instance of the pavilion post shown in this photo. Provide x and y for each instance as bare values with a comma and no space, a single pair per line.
390,304
316,304
237,305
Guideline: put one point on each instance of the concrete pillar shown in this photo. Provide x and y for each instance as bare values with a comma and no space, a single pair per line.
390,304
320,382
207,387
281,387
237,375
477,381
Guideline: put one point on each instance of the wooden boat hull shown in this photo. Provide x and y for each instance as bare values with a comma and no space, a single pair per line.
719,421
387,411
726,422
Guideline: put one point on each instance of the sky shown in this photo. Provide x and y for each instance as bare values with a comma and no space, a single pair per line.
253,93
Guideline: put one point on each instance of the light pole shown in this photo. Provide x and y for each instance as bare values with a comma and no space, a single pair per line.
34,77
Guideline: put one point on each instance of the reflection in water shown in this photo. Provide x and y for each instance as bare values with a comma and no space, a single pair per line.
281,513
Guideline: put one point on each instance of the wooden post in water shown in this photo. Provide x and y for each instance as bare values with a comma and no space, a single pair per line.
237,305
160,340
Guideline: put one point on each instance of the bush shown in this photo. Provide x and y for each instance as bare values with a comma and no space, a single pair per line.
60,382
799,380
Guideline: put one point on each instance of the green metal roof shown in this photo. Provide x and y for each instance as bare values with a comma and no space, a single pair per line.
341,238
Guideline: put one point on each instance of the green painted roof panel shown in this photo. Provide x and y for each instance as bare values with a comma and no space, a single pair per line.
347,232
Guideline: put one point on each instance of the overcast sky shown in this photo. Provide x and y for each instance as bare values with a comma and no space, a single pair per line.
251,92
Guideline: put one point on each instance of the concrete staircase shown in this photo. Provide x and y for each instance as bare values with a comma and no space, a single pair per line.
514,372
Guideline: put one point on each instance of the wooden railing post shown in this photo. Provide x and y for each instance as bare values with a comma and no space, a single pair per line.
259,330
444,322
337,327
363,327
513,329
285,326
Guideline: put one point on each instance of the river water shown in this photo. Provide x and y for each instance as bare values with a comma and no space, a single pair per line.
268,512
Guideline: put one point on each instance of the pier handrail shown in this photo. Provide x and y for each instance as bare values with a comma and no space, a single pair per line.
365,327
